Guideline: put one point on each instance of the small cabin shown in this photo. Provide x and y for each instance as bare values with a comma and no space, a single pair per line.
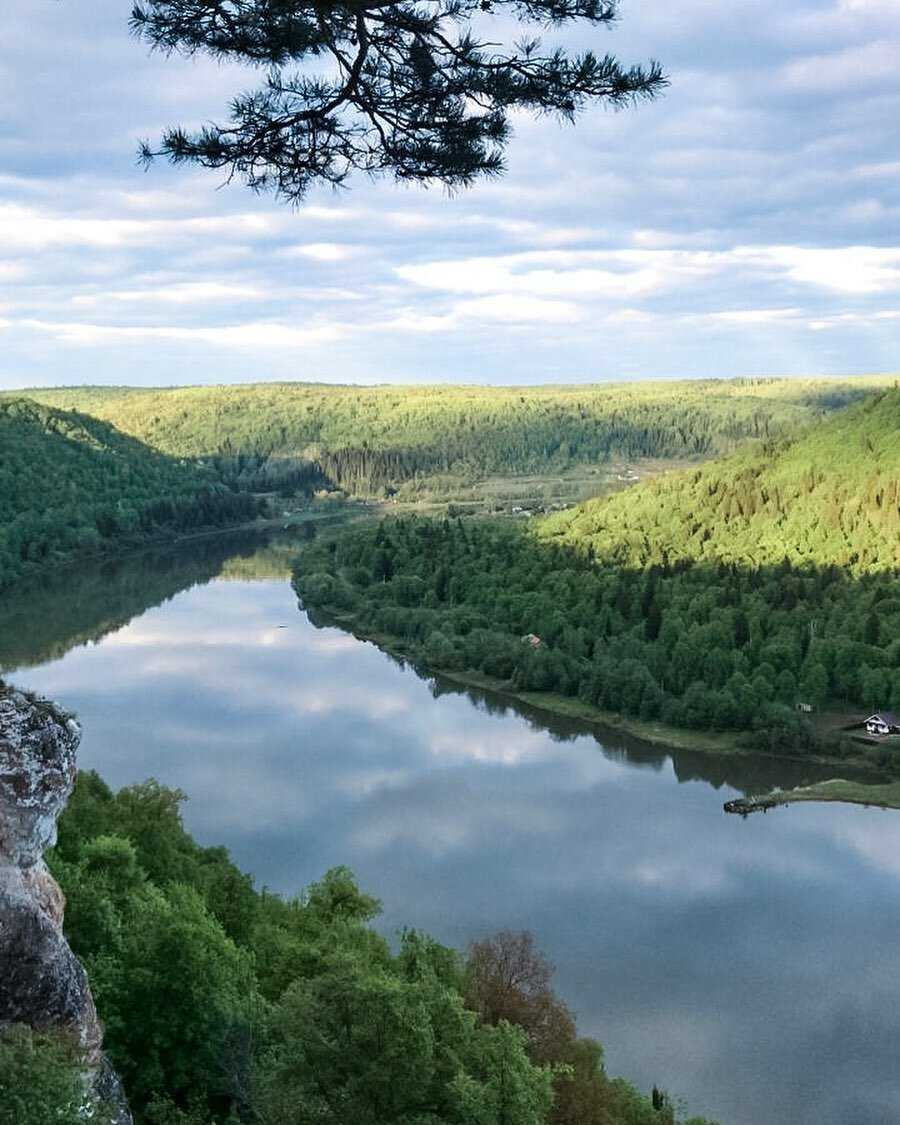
805,708
532,639
883,723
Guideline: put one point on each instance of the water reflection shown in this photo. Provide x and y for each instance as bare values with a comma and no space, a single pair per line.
751,966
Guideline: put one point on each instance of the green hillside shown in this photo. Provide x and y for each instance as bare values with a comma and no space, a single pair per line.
830,496
70,484
371,439
717,599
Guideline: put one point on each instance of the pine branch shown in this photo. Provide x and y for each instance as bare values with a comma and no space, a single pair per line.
416,96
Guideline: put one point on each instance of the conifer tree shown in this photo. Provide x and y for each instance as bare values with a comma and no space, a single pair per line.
413,90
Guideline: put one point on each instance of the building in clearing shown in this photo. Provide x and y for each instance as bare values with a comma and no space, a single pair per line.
883,722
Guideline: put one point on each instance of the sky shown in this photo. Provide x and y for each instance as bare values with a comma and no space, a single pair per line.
746,223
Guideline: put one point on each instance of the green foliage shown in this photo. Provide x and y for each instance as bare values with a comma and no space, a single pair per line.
830,497
361,1042
70,485
374,440
163,1111
86,471
223,1004
41,1082
712,646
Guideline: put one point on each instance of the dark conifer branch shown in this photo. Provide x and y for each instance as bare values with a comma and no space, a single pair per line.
416,95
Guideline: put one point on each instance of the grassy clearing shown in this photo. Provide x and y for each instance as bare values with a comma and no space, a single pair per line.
657,734
885,796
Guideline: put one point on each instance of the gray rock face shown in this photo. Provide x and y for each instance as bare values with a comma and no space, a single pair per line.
42,983
38,745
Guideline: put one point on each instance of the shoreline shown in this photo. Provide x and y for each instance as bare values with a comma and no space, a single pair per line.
667,738
132,549
884,795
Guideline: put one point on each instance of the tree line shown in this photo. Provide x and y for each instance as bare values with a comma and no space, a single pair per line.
702,645
829,496
71,485
371,440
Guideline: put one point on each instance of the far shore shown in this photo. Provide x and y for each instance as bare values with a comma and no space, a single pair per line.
881,792
880,796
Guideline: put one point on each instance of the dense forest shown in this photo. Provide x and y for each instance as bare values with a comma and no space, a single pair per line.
89,470
724,622
828,497
70,485
224,1004
375,440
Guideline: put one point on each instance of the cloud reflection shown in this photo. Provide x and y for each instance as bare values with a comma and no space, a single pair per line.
717,957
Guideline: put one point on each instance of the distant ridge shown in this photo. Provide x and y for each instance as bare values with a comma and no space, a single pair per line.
369,440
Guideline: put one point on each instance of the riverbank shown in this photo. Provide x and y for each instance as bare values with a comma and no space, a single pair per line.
838,789
657,734
126,548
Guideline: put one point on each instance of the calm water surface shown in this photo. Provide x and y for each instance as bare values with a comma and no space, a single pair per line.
751,967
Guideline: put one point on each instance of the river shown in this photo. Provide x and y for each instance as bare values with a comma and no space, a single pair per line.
751,967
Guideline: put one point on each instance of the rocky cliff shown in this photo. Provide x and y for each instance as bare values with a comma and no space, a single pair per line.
42,983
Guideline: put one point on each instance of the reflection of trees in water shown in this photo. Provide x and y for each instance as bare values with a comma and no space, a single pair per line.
749,773
40,620
43,619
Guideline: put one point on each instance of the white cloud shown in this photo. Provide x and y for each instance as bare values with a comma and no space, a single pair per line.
572,273
844,269
853,67
855,320
880,169
413,321
518,309
499,308
869,8
715,232
31,228
629,274
262,335
752,316
322,251
178,293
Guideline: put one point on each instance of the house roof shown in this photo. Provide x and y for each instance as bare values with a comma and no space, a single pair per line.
889,718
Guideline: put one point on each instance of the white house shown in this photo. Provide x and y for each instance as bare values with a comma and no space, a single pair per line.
883,722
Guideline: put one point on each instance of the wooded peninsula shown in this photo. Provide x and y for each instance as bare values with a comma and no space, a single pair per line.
751,595
746,599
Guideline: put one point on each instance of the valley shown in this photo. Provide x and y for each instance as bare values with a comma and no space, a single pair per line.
464,811
542,637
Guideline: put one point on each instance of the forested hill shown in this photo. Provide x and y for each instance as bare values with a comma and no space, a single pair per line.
72,484
370,439
719,598
831,496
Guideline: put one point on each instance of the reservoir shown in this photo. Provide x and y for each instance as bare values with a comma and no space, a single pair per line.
750,967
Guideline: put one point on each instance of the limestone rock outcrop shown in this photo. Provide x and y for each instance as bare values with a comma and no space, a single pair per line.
42,982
